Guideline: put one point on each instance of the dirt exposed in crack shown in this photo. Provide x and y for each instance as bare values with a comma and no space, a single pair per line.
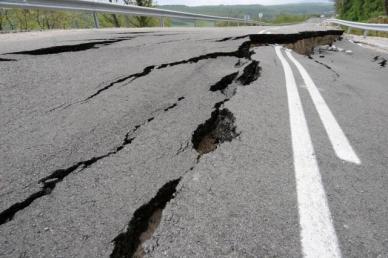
220,127
143,224
49,182
70,48
217,129
224,82
302,42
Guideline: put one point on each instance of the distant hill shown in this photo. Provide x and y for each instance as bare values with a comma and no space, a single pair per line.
269,11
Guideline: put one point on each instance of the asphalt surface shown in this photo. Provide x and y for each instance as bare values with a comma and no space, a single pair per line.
89,136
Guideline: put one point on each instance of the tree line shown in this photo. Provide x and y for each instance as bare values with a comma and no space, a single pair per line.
26,19
361,10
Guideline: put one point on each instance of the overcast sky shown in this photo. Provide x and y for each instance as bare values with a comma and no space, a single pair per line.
229,2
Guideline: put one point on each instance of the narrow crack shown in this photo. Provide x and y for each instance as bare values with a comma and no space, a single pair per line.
221,103
49,182
232,38
70,48
135,32
324,65
134,76
296,41
224,39
241,52
7,60
383,63
143,224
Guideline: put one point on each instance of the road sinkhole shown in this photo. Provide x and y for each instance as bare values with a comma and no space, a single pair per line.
143,224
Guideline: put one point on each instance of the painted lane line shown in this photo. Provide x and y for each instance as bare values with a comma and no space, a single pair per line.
318,237
337,137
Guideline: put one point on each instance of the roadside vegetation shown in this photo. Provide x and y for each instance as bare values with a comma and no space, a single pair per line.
26,20
363,10
369,11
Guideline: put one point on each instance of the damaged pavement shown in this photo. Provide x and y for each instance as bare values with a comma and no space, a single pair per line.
112,147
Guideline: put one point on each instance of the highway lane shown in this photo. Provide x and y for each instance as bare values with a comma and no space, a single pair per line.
116,148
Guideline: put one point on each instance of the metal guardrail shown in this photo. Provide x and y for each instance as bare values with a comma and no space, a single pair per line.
96,6
359,25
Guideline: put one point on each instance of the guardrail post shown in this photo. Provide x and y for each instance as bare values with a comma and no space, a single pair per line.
349,30
365,33
96,23
162,21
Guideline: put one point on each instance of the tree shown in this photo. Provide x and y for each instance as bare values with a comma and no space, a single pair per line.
115,20
1,19
142,21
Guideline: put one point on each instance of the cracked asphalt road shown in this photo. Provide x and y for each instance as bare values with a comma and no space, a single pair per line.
88,137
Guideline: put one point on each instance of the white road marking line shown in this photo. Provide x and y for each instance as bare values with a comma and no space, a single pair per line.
338,139
318,237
